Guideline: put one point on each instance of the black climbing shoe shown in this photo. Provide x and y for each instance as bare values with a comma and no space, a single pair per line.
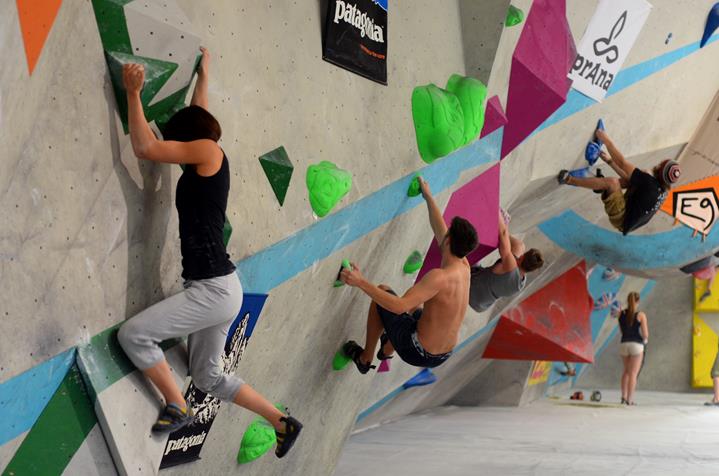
286,439
599,174
380,353
173,418
353,350
563,177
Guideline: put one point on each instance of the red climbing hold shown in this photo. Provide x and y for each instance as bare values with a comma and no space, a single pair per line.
551,324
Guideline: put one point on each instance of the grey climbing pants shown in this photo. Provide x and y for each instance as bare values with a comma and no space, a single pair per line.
203,311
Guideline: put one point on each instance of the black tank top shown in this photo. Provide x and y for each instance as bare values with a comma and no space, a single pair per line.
630,333
201,204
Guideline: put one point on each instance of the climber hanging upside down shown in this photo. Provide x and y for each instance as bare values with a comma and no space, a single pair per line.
645,192
421,337
508,275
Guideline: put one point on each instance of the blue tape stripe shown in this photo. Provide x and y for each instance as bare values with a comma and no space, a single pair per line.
577,101
23,398
380,403
269,268
639,252
597,286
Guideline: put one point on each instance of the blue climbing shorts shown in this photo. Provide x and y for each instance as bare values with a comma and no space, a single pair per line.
401,329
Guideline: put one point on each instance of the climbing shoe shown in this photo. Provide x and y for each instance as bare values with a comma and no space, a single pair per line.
173,418
380,353
599,174
286,439
704,296
563,177
353,350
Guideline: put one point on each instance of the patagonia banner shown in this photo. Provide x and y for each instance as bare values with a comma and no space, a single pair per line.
356,37
610,35
184,445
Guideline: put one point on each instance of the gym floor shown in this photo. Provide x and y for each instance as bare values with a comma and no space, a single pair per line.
665,433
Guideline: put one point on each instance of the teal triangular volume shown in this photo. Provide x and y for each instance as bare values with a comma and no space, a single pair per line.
278,169
157,72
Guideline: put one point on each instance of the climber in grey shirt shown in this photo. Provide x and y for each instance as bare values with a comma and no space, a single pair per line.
507,275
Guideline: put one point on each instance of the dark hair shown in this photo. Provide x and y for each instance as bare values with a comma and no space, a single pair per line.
532,259
632,300
192,123
462,237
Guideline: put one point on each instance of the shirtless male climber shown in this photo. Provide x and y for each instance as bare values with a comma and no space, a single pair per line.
421,337
645,191
508,275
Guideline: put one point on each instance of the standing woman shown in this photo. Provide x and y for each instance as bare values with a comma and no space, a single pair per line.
635,335
212,297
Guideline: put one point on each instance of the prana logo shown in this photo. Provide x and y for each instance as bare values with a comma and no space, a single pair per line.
604,46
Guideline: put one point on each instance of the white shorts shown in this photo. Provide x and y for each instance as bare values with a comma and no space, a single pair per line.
627,349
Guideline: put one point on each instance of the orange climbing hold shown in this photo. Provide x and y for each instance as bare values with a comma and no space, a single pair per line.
36,19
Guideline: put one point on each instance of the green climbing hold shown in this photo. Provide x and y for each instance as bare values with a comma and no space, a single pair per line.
340,360
258,439
327,184
438,122
157,73
515,16
413,263
472,95
414,188
278,169
226,231
345,265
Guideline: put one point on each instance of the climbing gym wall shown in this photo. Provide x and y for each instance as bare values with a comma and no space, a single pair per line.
90,233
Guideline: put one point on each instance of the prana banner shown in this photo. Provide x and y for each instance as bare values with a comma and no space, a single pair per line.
610,35
184,445
356,37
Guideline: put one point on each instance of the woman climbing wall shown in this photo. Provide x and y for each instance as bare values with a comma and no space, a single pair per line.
212,297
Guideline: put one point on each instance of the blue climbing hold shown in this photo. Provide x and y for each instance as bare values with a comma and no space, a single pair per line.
425,377
712,24
591,153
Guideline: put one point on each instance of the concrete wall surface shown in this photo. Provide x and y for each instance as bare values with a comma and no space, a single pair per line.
89,233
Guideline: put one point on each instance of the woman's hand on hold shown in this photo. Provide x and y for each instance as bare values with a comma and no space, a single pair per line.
133,77
204,66
424,187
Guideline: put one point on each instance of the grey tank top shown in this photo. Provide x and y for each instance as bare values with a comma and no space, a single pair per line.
486,287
